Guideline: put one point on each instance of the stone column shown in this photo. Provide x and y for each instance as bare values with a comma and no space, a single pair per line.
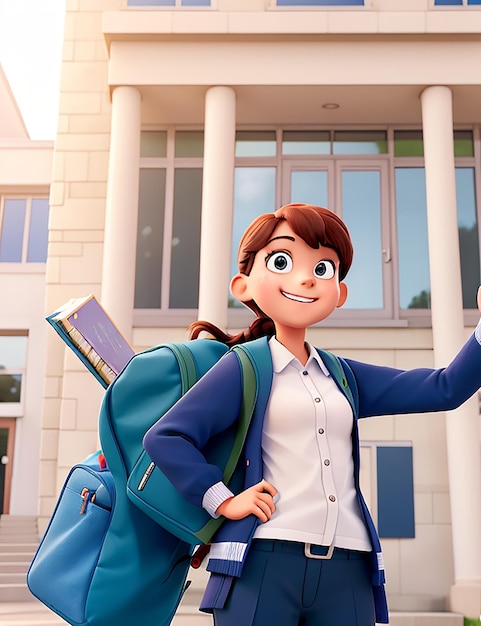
217,204
120,238
462,425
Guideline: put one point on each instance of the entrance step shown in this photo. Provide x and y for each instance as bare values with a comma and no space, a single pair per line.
18,543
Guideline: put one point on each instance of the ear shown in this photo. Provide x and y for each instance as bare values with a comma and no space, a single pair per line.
342,295
239,287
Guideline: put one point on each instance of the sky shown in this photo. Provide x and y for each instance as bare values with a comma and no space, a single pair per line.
31,36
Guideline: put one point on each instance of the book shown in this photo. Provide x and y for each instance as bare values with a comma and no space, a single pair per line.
88,330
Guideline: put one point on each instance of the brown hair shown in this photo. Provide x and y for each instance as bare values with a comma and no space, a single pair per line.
315,225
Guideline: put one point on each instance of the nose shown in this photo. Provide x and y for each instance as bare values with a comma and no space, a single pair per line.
308,281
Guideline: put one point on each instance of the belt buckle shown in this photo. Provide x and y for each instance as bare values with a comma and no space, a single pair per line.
308,552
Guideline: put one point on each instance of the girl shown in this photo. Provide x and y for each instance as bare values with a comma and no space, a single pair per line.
298,547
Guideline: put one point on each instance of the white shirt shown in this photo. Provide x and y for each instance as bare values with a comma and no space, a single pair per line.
307,456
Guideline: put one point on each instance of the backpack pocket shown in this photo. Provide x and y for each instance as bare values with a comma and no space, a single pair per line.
63,566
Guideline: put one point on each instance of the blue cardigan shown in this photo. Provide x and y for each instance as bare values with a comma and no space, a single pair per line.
176,441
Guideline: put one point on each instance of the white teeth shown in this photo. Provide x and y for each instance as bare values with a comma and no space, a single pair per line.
297,298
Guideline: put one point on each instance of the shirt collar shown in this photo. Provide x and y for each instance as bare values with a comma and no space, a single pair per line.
282,357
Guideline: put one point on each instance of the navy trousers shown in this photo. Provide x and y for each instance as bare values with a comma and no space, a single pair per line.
281,586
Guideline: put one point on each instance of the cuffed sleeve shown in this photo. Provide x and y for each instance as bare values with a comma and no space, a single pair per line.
214,497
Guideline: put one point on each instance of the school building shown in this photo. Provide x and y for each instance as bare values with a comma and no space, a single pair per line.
179,122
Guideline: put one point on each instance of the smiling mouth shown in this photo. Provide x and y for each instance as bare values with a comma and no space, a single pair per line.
291,296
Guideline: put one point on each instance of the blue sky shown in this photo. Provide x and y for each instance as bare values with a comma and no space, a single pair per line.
31,36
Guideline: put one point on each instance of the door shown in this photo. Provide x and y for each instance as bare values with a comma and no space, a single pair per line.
7,439
358,192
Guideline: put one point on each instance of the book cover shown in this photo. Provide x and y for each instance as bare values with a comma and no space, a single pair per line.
89,331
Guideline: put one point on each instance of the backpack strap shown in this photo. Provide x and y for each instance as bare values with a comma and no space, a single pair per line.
185,359
344,377
188,377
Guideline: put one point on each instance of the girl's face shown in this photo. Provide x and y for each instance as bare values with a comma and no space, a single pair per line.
294,284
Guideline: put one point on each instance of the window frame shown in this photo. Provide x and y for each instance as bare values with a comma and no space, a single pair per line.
22,266
164,315
420,318
15,409
172,7
329,5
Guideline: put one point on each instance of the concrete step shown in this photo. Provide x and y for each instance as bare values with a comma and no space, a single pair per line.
18,548
426,619
13,578
19,557
12,567
15,592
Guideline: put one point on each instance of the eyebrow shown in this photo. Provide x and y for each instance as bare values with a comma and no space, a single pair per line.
281,237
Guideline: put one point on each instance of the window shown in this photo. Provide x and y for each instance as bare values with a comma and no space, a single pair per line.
169,3
374,179
290,3
13,348
23,230
254,194
168,230
411,217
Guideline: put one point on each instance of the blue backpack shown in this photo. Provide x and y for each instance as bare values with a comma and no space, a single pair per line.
102,560
120,542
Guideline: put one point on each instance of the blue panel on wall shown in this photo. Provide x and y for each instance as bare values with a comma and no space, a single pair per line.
395,491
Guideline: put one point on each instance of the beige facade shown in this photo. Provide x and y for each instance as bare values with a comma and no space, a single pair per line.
247,65
25,173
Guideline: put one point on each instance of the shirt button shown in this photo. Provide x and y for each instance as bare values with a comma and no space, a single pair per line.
332,498
321,431
327,462
305,373
317,399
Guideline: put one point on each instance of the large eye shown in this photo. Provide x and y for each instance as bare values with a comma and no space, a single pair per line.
325,269
279,262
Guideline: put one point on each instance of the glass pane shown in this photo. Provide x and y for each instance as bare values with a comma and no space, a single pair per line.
184,273
474,1
189,144
196,3
254,194
255,144
304,142
150,239
153,144
158,3
13,351
447,2
38,232
13,225
468,235
361,211
309,187
463,143
10,387
287,3
408,143
412,232
360,142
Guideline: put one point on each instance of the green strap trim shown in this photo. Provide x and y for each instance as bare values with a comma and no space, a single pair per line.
339,375
188,371
188,376
249,397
